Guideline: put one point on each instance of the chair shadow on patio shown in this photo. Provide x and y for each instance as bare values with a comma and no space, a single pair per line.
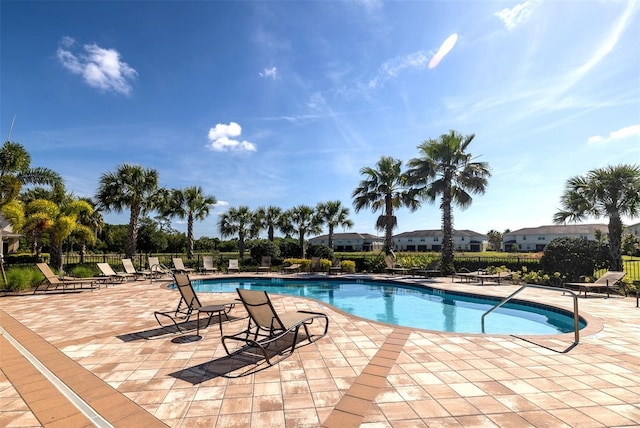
171,330
243,362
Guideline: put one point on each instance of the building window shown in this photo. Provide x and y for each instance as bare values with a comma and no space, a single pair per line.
462,238
540,238
524,238
409,240
436,239
422,239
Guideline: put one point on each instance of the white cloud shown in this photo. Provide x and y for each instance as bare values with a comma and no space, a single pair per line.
100,68
445,48
517,14
222,138
269,72
629,131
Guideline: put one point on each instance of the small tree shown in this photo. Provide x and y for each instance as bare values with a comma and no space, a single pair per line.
319,250
573,257
262,248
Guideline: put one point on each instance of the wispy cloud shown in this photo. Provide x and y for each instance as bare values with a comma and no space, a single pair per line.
445,48
392,68
629,131
100,68
517,14
269,72
222,138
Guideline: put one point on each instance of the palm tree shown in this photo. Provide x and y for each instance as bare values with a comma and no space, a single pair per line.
612,192
301,220
15,172
192,204
446,169
92,222
385,189
333,214
267,218
133,187
237,221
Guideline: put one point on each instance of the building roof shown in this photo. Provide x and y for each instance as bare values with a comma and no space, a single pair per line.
436,233
566,229
352,236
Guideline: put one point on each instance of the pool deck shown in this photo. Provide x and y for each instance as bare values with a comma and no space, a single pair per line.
101,351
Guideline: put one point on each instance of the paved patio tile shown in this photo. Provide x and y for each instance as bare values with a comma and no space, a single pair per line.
362,373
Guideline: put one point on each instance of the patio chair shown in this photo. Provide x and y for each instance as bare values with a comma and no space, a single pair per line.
336,267
265,264
130,269
207,265
55,281
431,270
190,305
392,267
157,268
610,280
315,264
110,275
178,266
233,266
293,268
266,327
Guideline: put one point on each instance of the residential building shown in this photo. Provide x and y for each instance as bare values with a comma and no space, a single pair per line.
351,241
10,240
634,229
431,240
536,238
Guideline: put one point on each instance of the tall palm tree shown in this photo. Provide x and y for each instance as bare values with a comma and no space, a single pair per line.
613,192
333,214
301,220
192,204
133,187
237,221
385,189
267,218
15,172
446,169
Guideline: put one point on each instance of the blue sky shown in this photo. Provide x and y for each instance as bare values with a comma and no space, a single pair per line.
282,103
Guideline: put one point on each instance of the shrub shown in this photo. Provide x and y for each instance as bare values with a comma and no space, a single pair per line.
22,278
573,257
319,250
305,264
82,271
375,264
348,266
263,248
290,248
325,264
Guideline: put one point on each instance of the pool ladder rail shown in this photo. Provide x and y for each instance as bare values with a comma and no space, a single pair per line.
576,316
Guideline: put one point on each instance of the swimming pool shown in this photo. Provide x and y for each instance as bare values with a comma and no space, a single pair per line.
410,306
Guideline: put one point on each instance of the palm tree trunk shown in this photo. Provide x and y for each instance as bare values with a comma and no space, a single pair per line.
132,239
447,233
190,236
388,230
56,256
331,236
241,245
615,243
301,241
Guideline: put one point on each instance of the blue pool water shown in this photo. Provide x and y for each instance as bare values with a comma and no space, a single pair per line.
410,306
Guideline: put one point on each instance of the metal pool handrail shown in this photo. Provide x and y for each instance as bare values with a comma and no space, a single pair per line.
576,316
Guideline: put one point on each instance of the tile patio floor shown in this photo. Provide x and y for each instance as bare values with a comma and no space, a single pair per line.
362,373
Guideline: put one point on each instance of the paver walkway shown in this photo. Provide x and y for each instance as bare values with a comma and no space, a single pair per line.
363,373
